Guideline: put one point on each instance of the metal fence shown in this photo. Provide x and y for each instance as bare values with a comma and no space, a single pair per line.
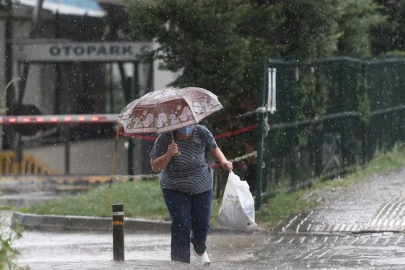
363,109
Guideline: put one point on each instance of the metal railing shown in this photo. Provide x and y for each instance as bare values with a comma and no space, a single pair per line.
364,112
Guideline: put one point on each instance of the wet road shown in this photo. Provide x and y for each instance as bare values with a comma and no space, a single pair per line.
151,251
41,250
357,227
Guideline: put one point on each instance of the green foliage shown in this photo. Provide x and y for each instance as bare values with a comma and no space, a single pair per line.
285,204
213,44
312,94
141,199
394,53
8,253
357,19
315,29
310,28
218,44
8,235
390,35
363,100
278,209
385,161
3,107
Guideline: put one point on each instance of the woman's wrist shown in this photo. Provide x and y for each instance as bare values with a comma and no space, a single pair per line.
168,155
226,165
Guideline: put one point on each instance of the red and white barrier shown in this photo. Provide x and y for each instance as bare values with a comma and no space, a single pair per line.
219,136
55,119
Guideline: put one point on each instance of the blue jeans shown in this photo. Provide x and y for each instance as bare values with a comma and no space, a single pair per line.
189,213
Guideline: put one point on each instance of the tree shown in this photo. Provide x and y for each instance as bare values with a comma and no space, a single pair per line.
390,35
218,44
215,44
316,29
357,19
310,28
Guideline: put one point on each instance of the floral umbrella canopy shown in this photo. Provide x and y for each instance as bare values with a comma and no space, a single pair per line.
168,109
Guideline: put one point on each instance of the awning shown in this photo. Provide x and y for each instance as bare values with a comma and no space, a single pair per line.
72,7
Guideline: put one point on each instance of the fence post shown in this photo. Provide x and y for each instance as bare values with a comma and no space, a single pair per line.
318,148
343,122
294,106
260,138
118,232
66,132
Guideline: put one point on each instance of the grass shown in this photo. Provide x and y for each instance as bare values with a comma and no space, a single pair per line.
285,204
140,198
383,162
277,209
143,199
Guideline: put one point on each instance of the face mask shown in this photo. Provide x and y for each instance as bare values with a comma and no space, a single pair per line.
186,130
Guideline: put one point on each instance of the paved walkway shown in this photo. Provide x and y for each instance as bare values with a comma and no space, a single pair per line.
374,205
358,227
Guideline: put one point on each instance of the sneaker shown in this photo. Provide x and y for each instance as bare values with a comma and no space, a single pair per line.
203,259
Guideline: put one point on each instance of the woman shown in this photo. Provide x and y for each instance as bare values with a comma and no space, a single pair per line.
187,185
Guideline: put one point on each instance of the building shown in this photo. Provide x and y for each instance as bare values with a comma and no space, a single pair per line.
72,60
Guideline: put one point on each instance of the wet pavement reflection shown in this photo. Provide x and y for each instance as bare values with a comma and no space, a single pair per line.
360,226
65,250
152,251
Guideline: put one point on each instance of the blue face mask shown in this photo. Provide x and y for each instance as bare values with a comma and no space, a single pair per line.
186,130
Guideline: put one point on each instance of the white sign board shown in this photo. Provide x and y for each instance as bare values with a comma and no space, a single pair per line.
77,52
271,95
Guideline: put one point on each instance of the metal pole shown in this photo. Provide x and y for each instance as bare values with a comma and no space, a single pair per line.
36,16
67,149
343,121
128,88
58,74
118,232
131,158
260,137
8,35
10,93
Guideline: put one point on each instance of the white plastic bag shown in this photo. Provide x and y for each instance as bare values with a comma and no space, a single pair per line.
238,207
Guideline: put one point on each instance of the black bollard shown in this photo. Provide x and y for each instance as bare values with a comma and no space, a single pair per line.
118,232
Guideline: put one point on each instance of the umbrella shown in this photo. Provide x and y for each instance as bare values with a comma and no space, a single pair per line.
164,111
168,109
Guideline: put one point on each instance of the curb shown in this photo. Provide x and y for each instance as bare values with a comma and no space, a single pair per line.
54,223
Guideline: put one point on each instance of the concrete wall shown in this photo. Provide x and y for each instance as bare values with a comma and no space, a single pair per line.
162,78
89,157
32,94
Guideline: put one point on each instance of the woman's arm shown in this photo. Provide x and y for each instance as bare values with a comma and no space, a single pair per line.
161,162
217,154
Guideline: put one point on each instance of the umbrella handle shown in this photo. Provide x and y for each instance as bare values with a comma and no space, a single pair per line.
178,153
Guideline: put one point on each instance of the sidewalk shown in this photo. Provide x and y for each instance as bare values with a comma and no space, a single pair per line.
376,204
358,227
42,250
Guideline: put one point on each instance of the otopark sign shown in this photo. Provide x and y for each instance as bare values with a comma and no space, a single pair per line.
80,51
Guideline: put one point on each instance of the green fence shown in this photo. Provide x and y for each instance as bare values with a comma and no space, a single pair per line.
361,109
